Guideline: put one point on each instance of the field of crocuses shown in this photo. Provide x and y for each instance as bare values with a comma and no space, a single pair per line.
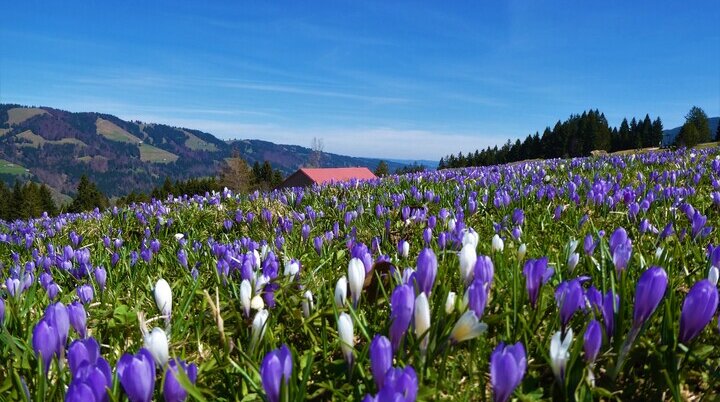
580,279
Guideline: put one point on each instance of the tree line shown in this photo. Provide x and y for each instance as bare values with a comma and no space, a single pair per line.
579,135
30,199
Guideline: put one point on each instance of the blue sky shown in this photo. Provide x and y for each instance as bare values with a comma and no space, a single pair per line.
385,79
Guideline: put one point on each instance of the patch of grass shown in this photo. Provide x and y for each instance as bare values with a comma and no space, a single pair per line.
18,115
149,153
113,132
7,167
36,140
195,143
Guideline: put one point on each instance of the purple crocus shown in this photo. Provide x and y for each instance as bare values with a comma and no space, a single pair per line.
592,341
507,369
589,245
137,375
536,274
381,357
2,311
82,351
85,293
610,304
97,377
402,302
399,384
570,298
426,270
484,269
172,390
648,294
101,277
78,318
45,342
275,368
57,315
477,298
698,309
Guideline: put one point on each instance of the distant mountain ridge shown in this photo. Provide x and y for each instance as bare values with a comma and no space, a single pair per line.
57,147
670,135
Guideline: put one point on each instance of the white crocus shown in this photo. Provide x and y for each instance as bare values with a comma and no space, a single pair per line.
291,268
258,327
156,343
450,303
256,259
451,224
341,292
467,258
345,332
470,237
560,353
573,260
497,243
307,303
179,236
467,327
422,320
522,250
405,249
163,298
245,296
356,278
713,275
257,302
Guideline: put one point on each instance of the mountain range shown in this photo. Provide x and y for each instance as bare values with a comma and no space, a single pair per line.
57,147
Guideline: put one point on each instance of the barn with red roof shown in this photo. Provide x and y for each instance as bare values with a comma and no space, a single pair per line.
309,176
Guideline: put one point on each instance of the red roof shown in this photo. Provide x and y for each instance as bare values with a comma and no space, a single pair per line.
327,175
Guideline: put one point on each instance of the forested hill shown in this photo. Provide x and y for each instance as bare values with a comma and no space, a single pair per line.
57,147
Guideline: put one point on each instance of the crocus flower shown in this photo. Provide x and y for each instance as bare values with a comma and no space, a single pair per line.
522,250
450,303
610,304
484,269
570,298
156,343
163,297
345,332
401,312
398,385
245,296
381,357
45,342
560,353
467,257
356,278
698,309
57,316
403,248
258,327
97,376
78,318
648,294
79,392
713,274
422,320
497,244
137,375
341,292
426,270
307,303
85,293
507,369
467,327
172,390
82,351
101,277
572,262
592,341
476,295
536,274
589,245
276,368
2,311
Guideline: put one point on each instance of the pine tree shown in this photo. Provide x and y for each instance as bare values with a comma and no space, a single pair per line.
657,133
88,197
382,169
717,132
47,204
236,175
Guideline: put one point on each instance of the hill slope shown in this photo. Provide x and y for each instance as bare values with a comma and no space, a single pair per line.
57,147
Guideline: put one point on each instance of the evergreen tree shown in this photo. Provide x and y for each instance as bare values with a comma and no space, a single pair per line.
88,197
382,169
657,133
717,132
17,203
697,117
47,204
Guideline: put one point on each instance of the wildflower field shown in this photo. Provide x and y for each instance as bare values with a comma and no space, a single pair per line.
582,279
